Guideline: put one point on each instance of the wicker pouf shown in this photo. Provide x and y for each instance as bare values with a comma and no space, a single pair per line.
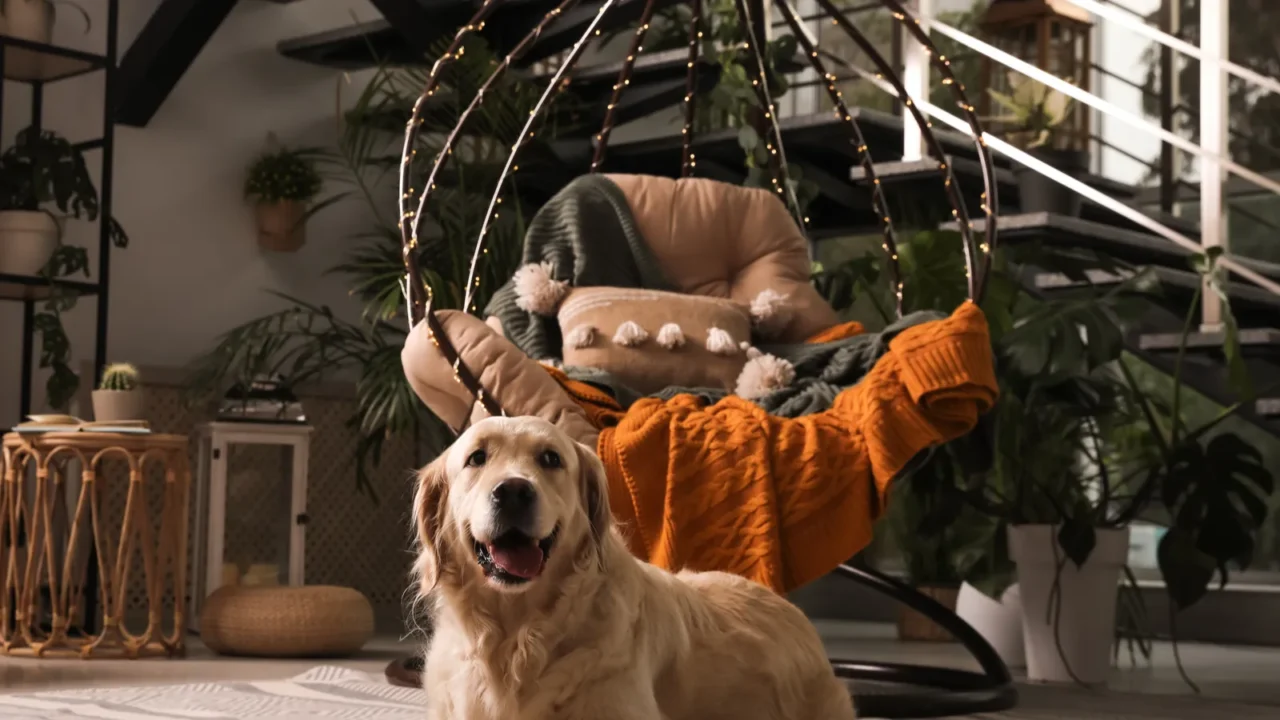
310,621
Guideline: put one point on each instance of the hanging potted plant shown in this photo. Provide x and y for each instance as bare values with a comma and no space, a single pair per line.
281,184
1034,119
119,396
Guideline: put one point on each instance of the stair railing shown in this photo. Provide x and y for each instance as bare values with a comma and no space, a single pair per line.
1211,150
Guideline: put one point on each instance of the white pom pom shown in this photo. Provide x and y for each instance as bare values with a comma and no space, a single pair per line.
753,353
763,375
552,363
670,336
720,342
770,312
630,334
536,291
580,336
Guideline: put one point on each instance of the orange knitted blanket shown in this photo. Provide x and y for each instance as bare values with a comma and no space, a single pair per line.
783,501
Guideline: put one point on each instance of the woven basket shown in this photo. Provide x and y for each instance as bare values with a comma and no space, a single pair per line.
310,621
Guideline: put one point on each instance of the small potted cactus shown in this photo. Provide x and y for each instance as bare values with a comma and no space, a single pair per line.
118,397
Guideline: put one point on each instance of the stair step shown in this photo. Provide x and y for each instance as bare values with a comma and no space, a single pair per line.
1268,407
1138,248
1251,305
923,176
365,45
1261,339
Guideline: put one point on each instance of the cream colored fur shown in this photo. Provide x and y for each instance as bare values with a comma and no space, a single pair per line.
599,635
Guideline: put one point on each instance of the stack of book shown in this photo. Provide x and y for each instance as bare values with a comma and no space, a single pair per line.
37,424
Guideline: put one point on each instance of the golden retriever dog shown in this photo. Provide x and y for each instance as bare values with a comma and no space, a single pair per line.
541,612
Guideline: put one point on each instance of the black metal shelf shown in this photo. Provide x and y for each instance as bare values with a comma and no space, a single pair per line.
38,64
36,288
34,62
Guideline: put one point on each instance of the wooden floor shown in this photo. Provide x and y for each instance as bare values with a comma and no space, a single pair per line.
1235,682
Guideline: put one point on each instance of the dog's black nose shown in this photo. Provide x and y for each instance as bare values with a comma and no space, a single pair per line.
513,499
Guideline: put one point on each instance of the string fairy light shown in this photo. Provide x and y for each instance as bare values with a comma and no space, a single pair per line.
878,201
886,73
990,199
624,79
777,160
687,159
408,235
553,86
409,230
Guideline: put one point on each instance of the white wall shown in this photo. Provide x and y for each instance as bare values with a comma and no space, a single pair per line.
193,269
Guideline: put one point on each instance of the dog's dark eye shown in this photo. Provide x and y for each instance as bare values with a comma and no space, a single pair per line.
549,459
477,458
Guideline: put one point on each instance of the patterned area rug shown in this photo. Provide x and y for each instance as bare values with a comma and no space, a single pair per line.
328,692
325,692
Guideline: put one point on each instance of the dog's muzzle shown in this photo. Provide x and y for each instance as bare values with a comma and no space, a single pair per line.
514,555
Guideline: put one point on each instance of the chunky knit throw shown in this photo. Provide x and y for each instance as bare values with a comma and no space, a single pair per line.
783,501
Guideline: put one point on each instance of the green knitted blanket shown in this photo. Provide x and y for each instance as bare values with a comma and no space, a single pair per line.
588,236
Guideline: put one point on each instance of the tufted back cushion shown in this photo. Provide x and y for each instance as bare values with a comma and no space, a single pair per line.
722,240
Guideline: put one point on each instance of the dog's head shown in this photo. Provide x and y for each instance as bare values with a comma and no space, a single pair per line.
509,500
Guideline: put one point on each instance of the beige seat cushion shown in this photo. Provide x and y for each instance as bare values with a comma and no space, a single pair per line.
648,366
720,240
520,385
308,621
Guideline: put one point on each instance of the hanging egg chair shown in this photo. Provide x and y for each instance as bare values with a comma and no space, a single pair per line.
727,380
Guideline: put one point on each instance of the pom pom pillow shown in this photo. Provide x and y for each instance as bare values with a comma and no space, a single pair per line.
650,340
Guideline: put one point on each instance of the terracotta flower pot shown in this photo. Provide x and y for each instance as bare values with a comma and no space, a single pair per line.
117,405
280,225
27,240
914,626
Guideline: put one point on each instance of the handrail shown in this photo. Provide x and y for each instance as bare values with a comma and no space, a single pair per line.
1136,24
1098,103
1226,261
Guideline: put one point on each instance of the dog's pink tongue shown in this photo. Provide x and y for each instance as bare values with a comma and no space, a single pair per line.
523,561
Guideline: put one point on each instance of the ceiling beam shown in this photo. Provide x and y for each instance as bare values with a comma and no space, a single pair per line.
170,41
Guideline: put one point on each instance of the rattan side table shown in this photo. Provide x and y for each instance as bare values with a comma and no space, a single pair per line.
46,543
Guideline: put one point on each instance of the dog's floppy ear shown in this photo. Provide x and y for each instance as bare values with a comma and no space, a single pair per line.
594,488
429,507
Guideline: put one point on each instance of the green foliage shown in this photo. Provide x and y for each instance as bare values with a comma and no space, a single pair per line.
733,102
1253,116
284,174
43,169
1074,440
119,376
304,341
1034,111
43,172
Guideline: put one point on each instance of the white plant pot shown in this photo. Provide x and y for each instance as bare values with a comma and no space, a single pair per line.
26,20
999,622
27,241
1078,648
117,405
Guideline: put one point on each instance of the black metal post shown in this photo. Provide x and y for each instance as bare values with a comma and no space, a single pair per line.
1168,81
28,329
92,581
104,201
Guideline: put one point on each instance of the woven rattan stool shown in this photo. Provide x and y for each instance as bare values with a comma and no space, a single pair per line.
54,518
307,621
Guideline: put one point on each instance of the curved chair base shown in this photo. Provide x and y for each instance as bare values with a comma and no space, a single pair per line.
932,692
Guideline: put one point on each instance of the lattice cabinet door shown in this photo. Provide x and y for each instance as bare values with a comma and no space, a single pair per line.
251,506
